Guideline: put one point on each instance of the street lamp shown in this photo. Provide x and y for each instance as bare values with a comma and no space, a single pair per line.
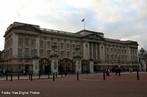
77,55
54,61
54,52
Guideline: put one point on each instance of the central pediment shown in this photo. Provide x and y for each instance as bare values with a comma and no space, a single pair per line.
94,37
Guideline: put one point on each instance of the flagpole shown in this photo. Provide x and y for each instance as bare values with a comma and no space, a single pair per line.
84,23
83,20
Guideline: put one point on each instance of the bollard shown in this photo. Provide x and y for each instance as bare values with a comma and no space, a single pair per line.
77,76
18,76
53,76
11,77
137,75
104,75
31,77
119,70
48,75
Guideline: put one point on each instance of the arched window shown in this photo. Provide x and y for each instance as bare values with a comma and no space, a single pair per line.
26,52
48,53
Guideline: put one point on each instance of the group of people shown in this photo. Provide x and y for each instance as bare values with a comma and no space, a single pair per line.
107,72
116,70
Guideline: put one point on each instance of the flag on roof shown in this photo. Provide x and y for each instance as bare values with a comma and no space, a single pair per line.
83,20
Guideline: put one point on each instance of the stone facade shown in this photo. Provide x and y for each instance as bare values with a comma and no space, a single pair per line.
24,41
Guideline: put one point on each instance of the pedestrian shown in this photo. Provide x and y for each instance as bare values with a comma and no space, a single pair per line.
24,72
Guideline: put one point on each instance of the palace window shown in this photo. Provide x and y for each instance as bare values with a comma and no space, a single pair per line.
48,53
41,44
20,41
61,54
33,42
26,52
48,44
68,54
33,52
73,46
19,52
67,46
26,41
61,45
41,53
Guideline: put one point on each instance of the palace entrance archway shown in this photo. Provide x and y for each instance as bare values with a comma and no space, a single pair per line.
45,65
66,65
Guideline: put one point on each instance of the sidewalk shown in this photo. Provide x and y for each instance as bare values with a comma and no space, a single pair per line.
25,77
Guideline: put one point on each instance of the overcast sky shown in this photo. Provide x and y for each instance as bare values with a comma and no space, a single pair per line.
117,19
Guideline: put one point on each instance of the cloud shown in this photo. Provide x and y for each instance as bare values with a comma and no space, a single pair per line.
118,19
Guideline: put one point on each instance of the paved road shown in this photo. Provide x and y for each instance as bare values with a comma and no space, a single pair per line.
91,85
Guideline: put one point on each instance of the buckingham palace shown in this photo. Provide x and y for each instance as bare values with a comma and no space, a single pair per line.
27,42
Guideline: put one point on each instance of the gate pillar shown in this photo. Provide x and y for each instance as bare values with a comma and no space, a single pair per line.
78,66
54,66
91,66
35,65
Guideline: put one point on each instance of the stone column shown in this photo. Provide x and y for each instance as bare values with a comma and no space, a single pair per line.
35,66
92,50
102,52
96,51
37,45
54,65
78,66
15,44
84,49
91,66
89,49
129,54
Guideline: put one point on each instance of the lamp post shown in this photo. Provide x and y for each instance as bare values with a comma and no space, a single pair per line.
54,61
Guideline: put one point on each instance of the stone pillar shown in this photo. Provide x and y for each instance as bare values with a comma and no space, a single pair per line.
54,65
78,66
91,66
37,45
90,54
84,50
91,50
129,54
96,51
15,41
35,66
102,52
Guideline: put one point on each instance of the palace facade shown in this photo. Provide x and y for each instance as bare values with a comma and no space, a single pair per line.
25,41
